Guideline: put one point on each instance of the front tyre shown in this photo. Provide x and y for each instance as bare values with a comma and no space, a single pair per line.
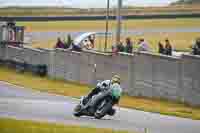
77,111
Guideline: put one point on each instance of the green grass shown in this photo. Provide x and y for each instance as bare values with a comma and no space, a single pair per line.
24,126
61,87
99,25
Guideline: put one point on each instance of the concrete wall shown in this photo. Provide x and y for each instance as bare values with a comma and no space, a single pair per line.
2,52
33,56
1,33
28,55
90,67
67,65
48,59
191,79
143,74
13,53
157,76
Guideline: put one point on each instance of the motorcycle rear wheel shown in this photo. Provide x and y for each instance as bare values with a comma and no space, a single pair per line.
100,113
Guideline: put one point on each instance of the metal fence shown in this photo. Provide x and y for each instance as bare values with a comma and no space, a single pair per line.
143,74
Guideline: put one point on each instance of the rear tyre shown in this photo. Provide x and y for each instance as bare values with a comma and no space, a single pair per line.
100,113
111,112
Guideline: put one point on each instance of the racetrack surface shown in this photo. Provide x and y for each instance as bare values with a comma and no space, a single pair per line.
20,103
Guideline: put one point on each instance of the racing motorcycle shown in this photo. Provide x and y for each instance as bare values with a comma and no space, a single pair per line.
98,106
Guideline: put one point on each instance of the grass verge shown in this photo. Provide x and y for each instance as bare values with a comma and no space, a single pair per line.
75,26
24,126
76,90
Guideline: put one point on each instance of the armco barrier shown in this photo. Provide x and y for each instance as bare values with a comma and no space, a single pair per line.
143,74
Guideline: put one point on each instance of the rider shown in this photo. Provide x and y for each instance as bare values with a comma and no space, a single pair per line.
106,85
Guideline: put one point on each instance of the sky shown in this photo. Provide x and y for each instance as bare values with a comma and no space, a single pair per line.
83,3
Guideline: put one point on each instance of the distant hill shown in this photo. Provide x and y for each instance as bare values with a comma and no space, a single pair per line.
186,2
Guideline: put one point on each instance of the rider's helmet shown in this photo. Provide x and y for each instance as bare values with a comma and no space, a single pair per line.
115,79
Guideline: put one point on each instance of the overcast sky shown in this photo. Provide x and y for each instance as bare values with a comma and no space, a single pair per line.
82,3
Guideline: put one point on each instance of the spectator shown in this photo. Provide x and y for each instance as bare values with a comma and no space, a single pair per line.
87,44
75,47
113,47
129,45
59,43
196,47
69,42
91,39
168,47
161,49
120,47
143,46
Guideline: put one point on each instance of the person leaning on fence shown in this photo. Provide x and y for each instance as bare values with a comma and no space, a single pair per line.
120,47
168,47
161,48
68,42
59,43
196,47
114,49
75,47
91,39
143,45
86,44
129,45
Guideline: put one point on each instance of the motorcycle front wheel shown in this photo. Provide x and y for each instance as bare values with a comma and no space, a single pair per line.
77,111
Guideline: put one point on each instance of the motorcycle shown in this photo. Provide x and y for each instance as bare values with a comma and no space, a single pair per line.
98,106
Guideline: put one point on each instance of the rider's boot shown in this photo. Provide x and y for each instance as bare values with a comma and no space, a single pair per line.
111,112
